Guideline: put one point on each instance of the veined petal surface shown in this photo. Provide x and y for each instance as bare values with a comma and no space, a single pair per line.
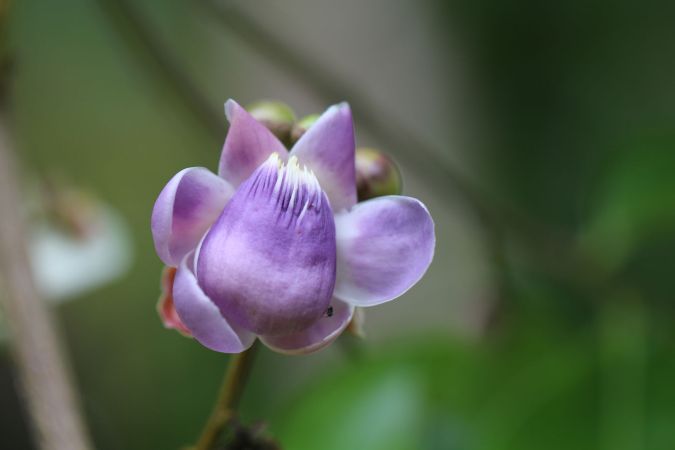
268,262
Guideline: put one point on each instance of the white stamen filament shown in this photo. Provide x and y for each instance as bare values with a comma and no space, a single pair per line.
291,176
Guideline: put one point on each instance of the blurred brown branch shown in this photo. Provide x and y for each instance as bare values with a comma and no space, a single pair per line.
131,27
396,137
34,341
41,362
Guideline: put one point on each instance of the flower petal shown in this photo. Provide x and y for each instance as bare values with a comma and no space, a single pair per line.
328,149
187,206
202,317
384,247
323,332
247,145
165,306
268,262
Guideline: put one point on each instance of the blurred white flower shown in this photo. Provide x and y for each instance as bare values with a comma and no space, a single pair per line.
67,264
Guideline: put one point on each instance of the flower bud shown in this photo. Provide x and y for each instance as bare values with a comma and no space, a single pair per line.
376,174
301,126
278,117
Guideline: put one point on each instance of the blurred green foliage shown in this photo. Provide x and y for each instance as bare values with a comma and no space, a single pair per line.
578,107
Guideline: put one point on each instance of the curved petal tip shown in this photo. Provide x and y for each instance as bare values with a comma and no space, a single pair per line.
319,335
201,316
187,206
247,144
328,148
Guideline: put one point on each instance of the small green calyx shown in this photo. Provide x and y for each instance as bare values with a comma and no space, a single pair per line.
376,174
301,126
277,116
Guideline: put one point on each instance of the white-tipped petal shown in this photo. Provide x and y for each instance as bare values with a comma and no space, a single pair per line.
247,145
328,149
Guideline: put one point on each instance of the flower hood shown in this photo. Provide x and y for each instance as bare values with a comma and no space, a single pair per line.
276,247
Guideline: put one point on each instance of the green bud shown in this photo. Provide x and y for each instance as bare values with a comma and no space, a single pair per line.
278,117
307,121
376,174
301,126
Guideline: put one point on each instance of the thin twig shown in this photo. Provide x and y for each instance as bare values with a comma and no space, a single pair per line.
228,399
132,27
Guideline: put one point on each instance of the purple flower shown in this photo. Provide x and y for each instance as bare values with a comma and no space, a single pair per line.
275,245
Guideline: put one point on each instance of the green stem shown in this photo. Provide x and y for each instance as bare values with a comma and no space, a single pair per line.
228,398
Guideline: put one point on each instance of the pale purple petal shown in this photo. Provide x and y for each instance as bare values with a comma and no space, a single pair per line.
323,332
198,313
247,145
268,262
384,247
328,149
187,206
